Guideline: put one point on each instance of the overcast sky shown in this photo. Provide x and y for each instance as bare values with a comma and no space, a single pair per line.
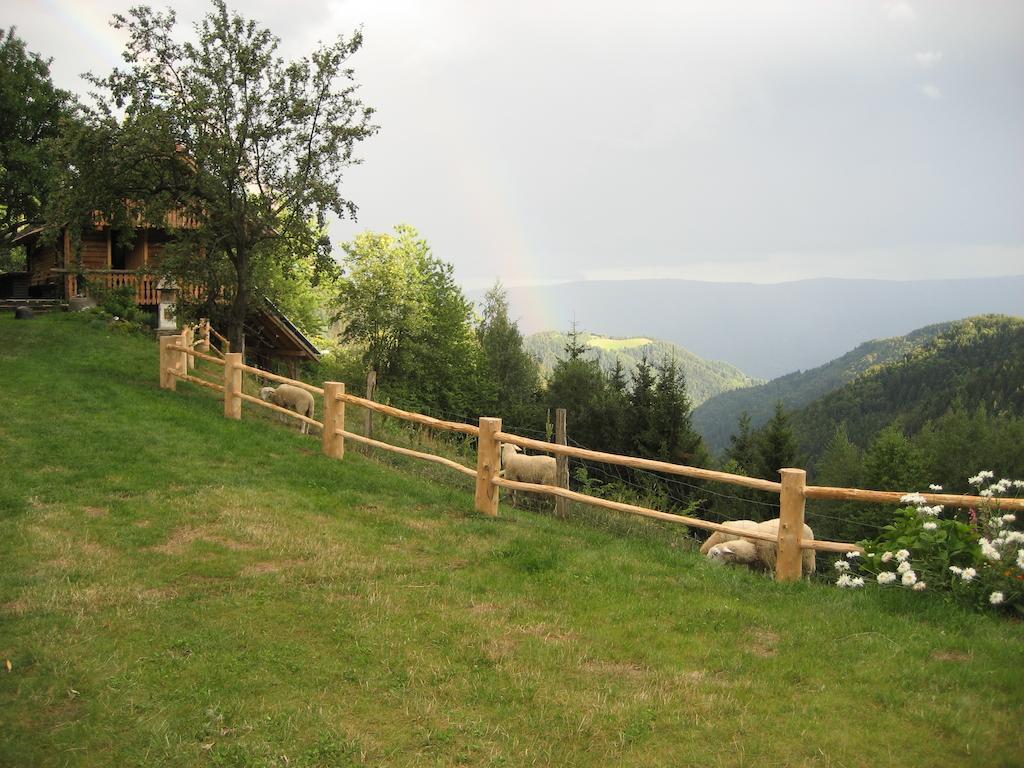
751,141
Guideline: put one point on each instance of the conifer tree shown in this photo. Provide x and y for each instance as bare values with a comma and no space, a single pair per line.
776,445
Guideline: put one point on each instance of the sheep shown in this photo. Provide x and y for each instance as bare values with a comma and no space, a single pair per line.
767,551
757,553
526,469
720,537
293,398
735,551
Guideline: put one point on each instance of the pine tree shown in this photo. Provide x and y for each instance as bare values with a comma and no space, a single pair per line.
678,441
513,376
776,445
742,449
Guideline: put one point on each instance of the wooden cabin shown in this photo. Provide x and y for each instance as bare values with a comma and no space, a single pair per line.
110,261
107,260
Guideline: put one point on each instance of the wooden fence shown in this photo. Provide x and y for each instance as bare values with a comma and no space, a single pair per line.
176,353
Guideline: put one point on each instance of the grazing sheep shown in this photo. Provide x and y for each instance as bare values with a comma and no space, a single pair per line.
293,398
757,553
736,551
526,469
720,537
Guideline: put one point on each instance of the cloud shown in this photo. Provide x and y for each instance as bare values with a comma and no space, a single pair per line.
901,12
931,91
927,59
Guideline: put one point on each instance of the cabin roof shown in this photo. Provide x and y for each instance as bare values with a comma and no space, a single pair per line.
277,335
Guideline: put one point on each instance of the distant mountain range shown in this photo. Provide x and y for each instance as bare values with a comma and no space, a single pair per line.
717,417
765,330
704,378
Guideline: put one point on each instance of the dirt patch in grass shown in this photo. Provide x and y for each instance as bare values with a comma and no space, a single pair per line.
546,632
182,538
269,566
762,642
500,647
17,607
95,512
616,668
951,656
157,594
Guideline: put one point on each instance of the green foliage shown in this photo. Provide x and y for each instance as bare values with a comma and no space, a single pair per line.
403,307
978,556
31,111
893,463
512,376
742,449
221,129
776,445
704,378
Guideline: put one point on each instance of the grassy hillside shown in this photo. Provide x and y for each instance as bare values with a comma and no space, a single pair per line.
975,362
177,589
704,378
717,417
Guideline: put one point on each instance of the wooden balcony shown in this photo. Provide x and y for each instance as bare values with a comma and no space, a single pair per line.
144,283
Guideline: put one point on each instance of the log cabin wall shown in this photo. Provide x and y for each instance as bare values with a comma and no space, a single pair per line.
95,252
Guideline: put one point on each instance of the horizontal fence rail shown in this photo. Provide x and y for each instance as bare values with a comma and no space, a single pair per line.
284,411
408,452
693,522
177,355
893,497
635,462
417,418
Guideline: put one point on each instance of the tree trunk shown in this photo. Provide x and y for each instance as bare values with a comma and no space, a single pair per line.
240,303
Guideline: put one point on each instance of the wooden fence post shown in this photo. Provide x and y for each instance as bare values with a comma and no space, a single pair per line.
232,385
791,525
187,338
334,419
488,463
561,463
371,388
204,336
167,362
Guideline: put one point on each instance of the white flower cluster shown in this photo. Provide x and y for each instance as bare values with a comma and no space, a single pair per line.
842,566
904,571
996,598
921,503
981,477
847,581
965,574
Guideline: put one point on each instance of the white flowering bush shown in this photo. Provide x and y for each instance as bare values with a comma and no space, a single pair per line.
978,555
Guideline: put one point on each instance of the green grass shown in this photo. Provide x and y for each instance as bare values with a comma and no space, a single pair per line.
179,589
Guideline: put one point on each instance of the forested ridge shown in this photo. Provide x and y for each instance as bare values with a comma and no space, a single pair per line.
704,378
716,418
974,363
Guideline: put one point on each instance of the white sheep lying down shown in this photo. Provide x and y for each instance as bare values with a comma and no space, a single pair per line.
526,469
293,398
755,552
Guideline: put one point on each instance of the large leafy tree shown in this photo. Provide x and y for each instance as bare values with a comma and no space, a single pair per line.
258,146
31,109
402,305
